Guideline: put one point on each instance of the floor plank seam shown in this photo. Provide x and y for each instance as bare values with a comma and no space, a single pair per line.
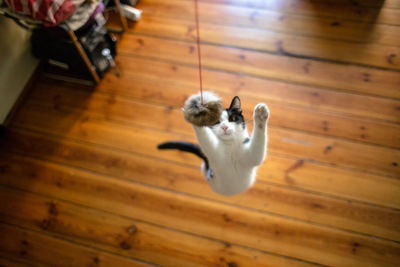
325,16
100,118
324,87
58,236
259,28
194,167
191,137
142,221
16,261
271,52
321,110
122,179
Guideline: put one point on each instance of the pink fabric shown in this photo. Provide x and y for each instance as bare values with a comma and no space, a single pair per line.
50,12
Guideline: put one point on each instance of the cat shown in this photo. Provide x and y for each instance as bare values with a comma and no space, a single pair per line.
230,156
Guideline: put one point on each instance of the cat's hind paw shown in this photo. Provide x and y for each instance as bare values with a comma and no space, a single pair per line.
261,112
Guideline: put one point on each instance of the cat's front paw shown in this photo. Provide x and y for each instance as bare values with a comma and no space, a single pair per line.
261,112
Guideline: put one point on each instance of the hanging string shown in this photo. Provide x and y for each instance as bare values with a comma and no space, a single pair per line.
196,9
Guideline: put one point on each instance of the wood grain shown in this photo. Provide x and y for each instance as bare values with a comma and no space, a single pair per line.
283,68
82,182
143,74
233,225
330,28
305,119
328,180
283,26
124,237
7,262
43,250
187,179
327,9
89,127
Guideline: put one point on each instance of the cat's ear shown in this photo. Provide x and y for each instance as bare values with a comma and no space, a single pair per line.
235,105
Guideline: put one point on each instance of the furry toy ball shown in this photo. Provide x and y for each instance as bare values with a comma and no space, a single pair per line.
205,114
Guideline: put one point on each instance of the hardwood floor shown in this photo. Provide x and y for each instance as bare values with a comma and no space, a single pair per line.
83,184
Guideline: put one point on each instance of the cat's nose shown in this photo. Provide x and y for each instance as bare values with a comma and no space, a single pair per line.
224,127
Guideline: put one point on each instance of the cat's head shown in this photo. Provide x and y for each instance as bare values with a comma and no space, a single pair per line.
231,124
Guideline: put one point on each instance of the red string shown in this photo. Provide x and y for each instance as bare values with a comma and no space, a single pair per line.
198,48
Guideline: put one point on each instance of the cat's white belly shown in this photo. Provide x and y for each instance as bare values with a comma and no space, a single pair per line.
231,176
232,182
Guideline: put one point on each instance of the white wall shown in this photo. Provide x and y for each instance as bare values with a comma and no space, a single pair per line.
16,64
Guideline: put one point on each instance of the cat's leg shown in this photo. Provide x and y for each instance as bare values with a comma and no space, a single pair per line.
207,139
256,148
208,143
207,171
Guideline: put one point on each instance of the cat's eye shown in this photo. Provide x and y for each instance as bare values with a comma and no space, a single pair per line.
233,118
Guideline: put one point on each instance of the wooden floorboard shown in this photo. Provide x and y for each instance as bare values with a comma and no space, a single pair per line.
83,184
125,135
181,77
7,261
33,247
288,28
265,197
348,127
201,217
258,64
317,98
353,11
130,237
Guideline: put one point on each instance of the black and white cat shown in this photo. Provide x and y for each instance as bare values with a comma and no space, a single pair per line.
230,156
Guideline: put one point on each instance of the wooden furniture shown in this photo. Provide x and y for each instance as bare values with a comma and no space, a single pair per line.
25,22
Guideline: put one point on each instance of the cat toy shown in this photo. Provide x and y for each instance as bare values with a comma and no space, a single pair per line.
208,110
202,109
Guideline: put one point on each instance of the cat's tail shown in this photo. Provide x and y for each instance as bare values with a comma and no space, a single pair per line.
186,147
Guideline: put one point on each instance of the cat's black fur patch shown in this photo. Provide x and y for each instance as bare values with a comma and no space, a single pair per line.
187,147
235,112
